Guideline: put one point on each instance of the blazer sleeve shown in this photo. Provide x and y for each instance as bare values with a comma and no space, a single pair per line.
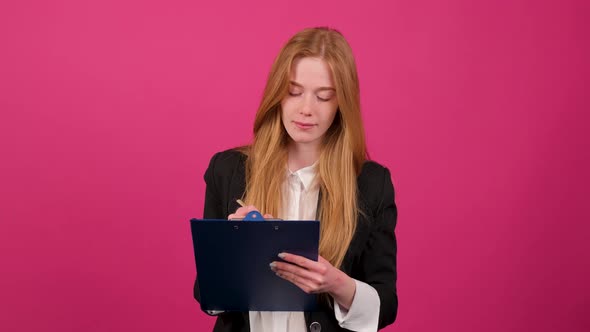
378,261
213,206
213,202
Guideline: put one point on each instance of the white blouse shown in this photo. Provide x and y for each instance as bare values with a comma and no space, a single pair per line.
300,201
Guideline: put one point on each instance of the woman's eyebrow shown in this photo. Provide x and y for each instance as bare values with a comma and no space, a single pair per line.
323,88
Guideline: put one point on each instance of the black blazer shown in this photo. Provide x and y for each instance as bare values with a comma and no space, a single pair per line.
371,256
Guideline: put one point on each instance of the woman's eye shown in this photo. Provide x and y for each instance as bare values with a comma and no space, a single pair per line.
294,94
324,99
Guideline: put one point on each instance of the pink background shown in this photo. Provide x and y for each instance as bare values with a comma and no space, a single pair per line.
110,111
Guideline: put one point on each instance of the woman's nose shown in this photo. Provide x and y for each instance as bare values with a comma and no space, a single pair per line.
307,105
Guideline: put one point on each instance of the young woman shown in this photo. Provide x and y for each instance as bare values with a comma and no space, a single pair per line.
308,160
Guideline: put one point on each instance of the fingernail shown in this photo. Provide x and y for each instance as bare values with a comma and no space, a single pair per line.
282,255
273,264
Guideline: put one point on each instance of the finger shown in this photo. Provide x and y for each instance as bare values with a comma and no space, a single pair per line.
242,212
268,215
298,271
306,263
303,284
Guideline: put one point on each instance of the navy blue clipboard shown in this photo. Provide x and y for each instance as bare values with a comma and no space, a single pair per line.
233,257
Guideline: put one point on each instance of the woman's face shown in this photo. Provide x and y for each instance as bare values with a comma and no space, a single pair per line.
309,108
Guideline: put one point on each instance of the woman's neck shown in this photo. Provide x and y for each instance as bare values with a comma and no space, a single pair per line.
301,155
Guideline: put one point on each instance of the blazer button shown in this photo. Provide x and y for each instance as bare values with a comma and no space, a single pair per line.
315,327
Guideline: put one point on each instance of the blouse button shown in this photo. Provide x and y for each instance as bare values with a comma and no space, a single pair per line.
315,327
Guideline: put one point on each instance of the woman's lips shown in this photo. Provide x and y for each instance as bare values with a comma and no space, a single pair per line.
303,125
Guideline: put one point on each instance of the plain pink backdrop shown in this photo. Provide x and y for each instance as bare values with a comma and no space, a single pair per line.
110,111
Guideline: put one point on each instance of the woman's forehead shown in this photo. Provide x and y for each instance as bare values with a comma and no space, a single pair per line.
311,72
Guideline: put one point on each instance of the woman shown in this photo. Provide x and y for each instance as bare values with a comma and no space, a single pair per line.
308,159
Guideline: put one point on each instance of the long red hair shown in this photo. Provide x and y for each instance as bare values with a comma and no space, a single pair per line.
343,148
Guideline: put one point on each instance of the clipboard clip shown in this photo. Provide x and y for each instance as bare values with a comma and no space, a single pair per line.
253,216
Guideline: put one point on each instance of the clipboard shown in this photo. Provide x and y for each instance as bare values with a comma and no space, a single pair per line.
233,257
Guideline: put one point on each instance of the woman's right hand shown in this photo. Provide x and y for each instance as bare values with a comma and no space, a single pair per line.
244,210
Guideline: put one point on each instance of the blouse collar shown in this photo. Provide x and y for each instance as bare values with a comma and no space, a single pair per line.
306,175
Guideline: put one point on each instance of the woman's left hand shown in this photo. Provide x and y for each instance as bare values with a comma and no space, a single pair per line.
316,277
